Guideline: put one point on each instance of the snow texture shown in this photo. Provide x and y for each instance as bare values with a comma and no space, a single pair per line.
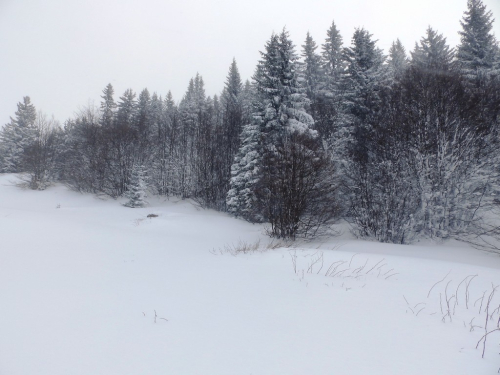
88,286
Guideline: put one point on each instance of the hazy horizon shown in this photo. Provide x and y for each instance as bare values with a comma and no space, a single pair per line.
62,54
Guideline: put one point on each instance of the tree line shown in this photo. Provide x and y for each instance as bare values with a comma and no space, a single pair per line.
401,146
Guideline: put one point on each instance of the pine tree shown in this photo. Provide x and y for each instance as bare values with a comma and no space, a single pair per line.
477,54
365,81
398,60
191,111
144,126
281,99
327,109
122,139
108,106
332,58
136,189
168,159
433,53
232,112
273,94
127,109
247,99
245,174
232,121
311,68
16,136
280,164
365,77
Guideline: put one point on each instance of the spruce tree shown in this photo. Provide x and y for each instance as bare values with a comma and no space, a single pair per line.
279,170
108,106
136,189
121,139
127,110
364,82
281,99
232,122
433,53
327,110
16,136
332,58
241,200
364,78
192,113
477,54
247,99
398,60
232,112
144,126
311,68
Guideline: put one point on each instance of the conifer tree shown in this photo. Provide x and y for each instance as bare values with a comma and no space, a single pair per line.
143,124
365,81
281,99
398,60
108,106
327,110
433,53
364,78
232,112
241,200
280,167
136,189
143,121
332,58
127,109
477,54
231,127
121,138
311,68
16,136
247,99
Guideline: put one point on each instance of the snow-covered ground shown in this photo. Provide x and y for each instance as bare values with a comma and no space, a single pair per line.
82,278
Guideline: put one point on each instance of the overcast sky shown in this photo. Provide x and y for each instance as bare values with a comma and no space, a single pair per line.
62,53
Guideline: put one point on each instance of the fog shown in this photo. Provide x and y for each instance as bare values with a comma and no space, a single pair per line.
63,53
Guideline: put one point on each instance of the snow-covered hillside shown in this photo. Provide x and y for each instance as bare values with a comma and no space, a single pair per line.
88,286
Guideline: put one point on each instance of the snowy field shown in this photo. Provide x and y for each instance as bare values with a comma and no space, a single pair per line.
88,286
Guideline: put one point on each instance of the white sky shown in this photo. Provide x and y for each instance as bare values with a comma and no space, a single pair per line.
62,53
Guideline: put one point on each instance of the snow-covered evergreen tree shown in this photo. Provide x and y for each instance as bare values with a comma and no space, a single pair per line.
232,113
364,78
245,174
121,138
397,60
433,53
332,59
478,55
247,97
279,170
281,99
143,126
326,107
127,109
228,134
136,189
191,115
16,136
364,82
108,106
312,74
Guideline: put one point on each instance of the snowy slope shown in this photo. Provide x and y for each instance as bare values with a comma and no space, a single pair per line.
81,279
